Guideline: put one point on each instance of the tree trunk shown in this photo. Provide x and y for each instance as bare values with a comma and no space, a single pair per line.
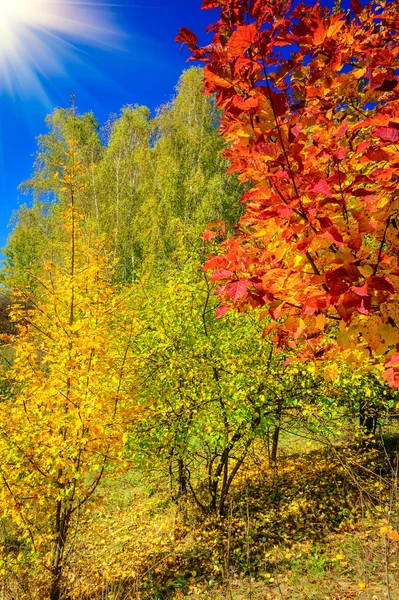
368,419
55,590
276,434
182,478
274,449
63,516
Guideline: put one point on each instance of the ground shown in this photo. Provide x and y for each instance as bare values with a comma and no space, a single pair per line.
320,526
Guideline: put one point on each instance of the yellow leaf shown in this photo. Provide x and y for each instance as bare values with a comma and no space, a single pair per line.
299,259
320,322
334,28
358,73
394,535
331,372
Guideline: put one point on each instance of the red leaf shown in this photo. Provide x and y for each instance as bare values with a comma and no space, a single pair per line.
361,192
222,310
356,7
384,82
343,129
350,302
256,194
241,39
247,104
325,222
214,263
284,210
278,101
313,304
360,291
381,284
303,246
365,306
378,155
362,146
300,329
340,155
268,149
295,130
270,328
338,281
187,37
391,376
394,361
334,234
388,134
237,289
296,326
382,57
319,32
355,242
275,309
209,235
216,76
220,274
211,4
319,186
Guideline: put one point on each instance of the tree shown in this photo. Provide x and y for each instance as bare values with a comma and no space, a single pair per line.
210,389
33,240
63,424
120,178
146,178
181,183
38,227
310,102
65,124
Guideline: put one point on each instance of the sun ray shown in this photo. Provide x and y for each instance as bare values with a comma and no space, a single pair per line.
38,37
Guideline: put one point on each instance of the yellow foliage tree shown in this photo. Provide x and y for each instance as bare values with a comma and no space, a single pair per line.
62,428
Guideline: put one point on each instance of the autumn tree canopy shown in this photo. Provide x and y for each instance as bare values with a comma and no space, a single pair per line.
70,398
310,102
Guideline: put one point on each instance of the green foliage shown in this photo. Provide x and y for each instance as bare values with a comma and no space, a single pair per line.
63,125
144,180
118,184
31,242
188,188
211,388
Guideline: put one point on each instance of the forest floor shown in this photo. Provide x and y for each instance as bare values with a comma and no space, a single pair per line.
321,526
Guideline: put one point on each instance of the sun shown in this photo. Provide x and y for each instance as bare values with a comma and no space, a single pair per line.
38,38
15,15
18,9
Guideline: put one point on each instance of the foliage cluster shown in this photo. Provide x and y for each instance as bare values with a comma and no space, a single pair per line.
310,103
144,181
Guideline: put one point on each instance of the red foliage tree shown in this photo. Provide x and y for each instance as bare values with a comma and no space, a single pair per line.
310,104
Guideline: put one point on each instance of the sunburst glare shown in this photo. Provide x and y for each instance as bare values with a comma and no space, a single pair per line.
39,37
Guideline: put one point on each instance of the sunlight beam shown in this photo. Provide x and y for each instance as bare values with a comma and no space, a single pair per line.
37,38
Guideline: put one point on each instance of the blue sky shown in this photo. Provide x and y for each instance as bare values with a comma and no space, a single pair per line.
143,69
